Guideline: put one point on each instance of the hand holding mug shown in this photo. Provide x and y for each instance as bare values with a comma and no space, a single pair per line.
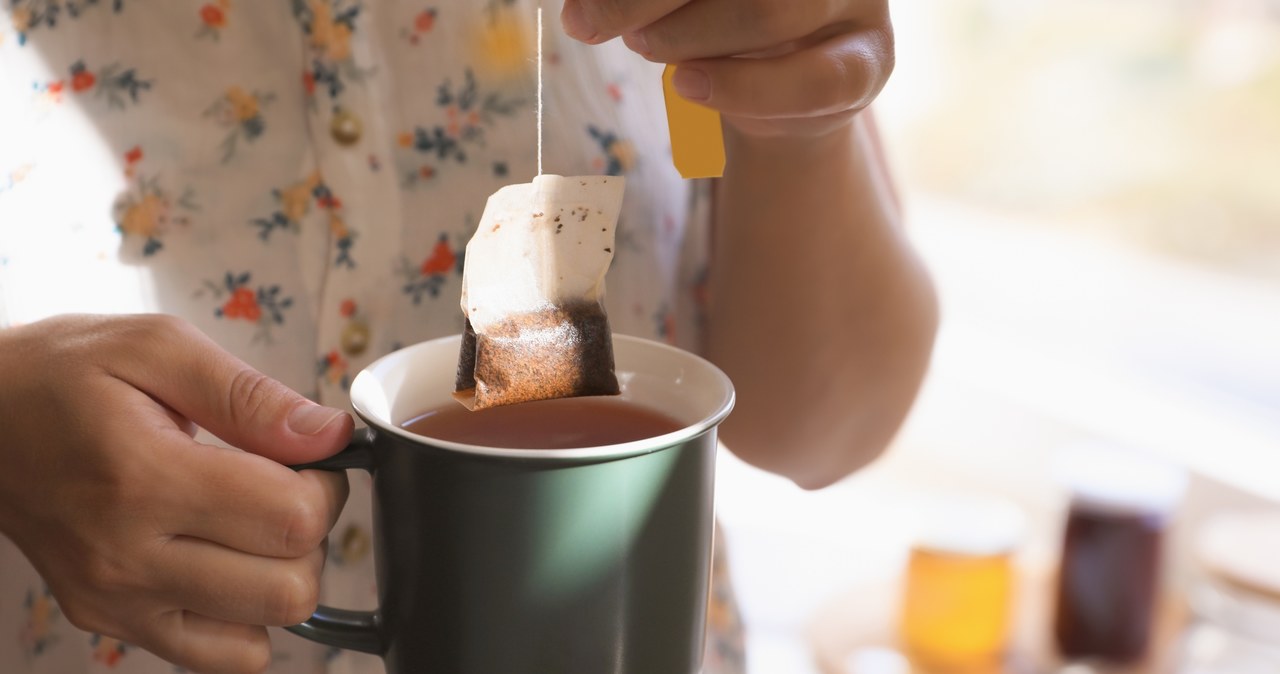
144,534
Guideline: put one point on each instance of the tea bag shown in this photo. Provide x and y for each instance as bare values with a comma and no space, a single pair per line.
533,293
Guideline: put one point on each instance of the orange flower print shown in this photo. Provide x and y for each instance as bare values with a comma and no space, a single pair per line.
329,25
28,15
333,368
468,113
423,22
295,203
42,611
131,159
295,200
243,105
328,201
338,228
348,308
23,19
49,94
120,86
330,35
108,651
213,18
429,277
619,155
441,260
242,304
147,211
238,300
81,79
145,217
9,180
240,112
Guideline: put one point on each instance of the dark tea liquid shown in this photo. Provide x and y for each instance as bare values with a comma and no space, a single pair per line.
567,423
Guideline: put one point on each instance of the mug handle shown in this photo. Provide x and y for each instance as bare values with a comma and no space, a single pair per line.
350,630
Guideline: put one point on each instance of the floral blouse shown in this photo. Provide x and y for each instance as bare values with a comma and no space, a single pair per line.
299,179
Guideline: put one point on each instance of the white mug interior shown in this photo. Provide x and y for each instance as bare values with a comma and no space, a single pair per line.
402,385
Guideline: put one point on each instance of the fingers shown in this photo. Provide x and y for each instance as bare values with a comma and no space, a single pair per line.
182,423
773,67
225,584
838,75
240,500
234,498
596,21
177,364
251,504
718,28
203,644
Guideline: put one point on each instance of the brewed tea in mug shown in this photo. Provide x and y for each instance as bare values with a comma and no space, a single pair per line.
566,423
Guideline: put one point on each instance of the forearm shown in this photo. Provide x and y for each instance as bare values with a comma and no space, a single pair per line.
822,314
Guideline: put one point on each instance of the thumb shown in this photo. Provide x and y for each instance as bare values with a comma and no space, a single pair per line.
245,408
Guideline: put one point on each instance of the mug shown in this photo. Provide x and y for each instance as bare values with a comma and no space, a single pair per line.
523,561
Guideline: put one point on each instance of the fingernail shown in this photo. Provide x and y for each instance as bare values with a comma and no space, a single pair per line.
310,419
576,24
637,42
694,85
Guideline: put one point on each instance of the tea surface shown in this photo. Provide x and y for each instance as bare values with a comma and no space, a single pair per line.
566,423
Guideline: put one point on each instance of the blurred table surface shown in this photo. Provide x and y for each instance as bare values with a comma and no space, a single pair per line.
1020,371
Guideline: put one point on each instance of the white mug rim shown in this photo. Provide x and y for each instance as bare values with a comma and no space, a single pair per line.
598,453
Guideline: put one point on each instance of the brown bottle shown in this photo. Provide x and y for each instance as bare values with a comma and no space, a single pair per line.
1107,584
1109,578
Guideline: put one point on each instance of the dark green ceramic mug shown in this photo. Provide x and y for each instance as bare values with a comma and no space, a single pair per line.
512,561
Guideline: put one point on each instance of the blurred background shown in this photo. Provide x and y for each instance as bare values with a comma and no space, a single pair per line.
1095,185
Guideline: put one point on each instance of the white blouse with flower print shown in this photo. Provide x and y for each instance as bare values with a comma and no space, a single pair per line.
298,179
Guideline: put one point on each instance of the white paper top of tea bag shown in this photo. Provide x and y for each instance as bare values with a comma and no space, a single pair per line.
541,244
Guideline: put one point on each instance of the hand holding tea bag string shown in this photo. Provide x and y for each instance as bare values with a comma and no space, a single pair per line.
143,533
819,309
772,67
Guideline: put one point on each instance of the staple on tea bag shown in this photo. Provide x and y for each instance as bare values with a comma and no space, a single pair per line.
533,293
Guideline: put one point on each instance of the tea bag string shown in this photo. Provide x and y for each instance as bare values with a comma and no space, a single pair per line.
539,88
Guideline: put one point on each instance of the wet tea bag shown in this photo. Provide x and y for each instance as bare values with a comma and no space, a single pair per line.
533,293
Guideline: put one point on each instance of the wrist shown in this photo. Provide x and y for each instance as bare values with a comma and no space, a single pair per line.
792,128
791,151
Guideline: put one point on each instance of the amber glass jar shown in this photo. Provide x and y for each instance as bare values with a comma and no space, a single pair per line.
959,587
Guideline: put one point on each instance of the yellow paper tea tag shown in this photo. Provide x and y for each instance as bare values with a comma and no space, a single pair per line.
697,139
